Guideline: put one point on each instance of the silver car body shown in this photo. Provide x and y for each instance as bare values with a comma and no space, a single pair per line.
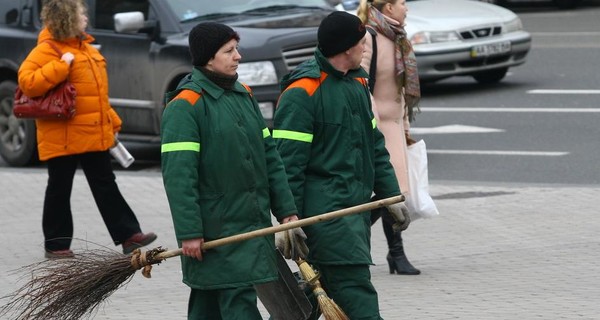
464,38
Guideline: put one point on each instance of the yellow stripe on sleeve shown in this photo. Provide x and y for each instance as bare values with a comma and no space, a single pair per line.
180,146
293,135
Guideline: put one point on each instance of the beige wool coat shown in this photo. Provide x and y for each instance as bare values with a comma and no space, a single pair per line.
388,105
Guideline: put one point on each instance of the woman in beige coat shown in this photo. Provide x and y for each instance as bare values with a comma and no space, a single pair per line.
396,94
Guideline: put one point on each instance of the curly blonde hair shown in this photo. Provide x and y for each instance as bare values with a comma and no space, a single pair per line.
363,8
61,17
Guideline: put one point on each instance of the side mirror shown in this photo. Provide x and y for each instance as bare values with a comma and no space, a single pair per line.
129,22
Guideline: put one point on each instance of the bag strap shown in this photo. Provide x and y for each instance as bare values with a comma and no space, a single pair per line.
53,45
373,68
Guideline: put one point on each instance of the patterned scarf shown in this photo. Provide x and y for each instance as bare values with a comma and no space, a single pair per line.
407,76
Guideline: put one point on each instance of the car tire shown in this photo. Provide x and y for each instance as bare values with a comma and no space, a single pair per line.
490,76
18,145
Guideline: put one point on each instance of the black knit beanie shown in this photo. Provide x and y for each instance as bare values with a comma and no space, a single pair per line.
338,32
206,39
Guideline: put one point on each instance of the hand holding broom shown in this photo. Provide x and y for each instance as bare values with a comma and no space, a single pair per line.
291,244
75,287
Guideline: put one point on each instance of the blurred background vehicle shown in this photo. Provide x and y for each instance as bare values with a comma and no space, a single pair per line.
462,38
145,43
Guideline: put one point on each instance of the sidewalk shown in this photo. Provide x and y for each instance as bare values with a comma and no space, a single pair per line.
497,251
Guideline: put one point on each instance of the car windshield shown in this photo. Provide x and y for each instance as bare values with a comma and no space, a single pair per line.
193,10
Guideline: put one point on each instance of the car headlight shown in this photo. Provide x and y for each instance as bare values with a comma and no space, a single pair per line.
434,36
257,73
512,26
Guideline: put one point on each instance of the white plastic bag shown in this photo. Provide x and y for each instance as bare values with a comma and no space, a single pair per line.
419,202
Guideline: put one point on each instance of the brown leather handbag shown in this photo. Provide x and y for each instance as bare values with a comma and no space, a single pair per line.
57,103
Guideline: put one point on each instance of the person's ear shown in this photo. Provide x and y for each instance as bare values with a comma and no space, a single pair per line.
209,64
387,8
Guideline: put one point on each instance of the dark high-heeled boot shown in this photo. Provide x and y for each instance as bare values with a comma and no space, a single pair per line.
397,260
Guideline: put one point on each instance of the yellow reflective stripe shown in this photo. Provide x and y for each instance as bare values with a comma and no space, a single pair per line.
293,135
374,122
266,132
180,146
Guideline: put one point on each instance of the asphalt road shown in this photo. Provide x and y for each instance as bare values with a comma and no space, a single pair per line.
539,125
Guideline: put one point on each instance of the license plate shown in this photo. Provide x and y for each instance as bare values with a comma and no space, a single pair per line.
490,49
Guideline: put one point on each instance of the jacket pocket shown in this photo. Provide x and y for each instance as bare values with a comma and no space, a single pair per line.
98,59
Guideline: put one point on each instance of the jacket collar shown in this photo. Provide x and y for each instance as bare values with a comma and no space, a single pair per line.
312,69
72,42
328,68
199,81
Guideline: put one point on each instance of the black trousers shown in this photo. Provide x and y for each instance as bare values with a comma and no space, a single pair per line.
57,220
387,221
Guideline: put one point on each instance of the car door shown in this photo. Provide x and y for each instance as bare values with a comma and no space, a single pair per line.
129,65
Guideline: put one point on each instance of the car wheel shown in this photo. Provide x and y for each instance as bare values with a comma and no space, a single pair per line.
490,76
18,146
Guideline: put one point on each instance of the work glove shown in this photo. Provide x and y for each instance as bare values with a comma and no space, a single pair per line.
291,243
399,212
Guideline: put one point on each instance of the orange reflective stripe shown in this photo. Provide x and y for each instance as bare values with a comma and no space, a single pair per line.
309,84
363,81
247,88
188,95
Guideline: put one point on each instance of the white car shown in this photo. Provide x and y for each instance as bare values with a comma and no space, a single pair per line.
462,38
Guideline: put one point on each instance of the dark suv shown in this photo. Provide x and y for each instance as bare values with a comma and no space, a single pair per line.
146,48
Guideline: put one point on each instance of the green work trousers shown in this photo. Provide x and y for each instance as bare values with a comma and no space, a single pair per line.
223,304
351,289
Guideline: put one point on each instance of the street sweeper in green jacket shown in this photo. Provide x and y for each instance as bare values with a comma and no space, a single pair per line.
335,158
223,176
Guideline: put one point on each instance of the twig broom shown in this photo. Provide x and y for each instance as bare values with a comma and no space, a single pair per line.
329,309
73,288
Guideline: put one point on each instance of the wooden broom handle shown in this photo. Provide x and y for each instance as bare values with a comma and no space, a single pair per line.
287,226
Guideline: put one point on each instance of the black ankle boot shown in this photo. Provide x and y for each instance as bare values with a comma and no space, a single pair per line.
401,265
397,260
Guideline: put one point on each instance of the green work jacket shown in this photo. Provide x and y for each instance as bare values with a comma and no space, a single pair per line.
334,156
222,175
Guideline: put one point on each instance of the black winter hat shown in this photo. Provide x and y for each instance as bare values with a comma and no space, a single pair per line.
338,32
206,39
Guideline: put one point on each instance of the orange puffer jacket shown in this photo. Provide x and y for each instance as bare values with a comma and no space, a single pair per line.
95,123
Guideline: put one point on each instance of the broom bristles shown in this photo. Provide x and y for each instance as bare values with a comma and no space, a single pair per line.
329,309
71,288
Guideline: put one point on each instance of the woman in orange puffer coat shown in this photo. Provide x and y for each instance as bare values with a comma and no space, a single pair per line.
83,139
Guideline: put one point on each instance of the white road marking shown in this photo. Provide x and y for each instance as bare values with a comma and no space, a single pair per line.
500,152
456,128
531,110
577,33
453,128
563,91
